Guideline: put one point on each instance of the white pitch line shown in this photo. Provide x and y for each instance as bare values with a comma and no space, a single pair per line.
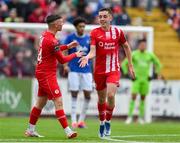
131,136
117,140
160,135
112,138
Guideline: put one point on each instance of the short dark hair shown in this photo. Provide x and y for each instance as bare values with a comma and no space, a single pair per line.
51,18
78,20
106,9
141,40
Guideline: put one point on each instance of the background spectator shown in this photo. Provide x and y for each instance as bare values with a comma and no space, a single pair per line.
4,67
37,16
13,16
3,11
19,6
120,16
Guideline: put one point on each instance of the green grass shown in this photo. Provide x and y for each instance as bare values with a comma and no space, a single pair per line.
12,130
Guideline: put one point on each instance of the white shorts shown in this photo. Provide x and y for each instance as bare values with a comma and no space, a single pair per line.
79,81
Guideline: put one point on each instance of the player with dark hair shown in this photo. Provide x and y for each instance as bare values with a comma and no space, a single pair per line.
49,52
79,78
142,61
105,43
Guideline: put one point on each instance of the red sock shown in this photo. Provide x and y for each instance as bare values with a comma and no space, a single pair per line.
34,115
62,118
102,109
109,112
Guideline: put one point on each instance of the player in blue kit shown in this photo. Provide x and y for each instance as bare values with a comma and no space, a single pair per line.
79,78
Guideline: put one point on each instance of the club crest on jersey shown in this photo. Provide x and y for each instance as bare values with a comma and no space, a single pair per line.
56,91
56,49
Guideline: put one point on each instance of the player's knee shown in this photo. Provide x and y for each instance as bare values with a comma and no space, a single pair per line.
133,96
74,96
110,95
87,97
58,104
40,104
102,100
143,98
111,99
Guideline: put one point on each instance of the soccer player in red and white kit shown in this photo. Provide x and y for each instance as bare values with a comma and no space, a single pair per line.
105,43
49,53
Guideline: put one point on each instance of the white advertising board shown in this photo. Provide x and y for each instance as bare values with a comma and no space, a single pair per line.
163,99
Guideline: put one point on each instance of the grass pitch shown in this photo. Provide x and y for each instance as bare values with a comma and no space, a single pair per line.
12,130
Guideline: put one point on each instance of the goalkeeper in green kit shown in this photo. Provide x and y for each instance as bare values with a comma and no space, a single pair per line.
142,61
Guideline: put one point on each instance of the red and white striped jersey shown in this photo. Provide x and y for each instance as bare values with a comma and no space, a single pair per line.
107,48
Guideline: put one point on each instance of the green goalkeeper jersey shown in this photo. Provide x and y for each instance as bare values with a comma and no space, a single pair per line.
142,62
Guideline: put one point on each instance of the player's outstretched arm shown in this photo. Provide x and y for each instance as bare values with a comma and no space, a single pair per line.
64,59
69,46
84,60
127,50
73,44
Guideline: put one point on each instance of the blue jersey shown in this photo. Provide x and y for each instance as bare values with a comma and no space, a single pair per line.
84,46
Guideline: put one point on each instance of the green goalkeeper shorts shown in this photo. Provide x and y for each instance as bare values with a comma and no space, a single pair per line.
140,87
